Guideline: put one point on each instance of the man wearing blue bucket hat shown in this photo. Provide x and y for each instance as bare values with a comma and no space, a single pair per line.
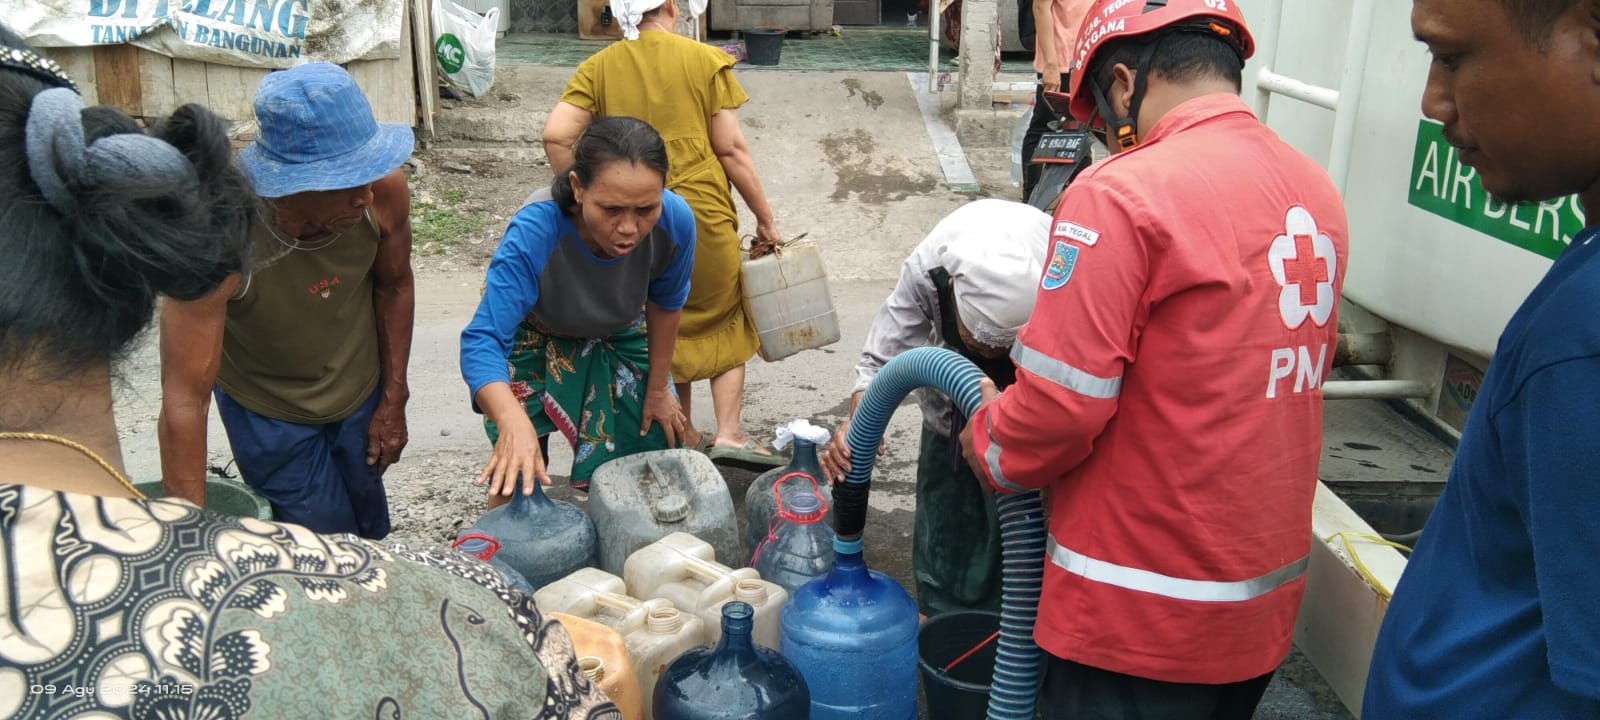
306,353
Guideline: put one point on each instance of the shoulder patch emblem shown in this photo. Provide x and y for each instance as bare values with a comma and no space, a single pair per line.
1059,269
1074,231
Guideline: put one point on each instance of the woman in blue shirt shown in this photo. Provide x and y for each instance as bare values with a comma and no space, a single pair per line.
582,298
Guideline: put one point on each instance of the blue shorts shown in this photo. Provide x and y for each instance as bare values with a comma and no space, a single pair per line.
314,475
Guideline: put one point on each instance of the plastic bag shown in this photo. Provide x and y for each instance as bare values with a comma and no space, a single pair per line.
463,46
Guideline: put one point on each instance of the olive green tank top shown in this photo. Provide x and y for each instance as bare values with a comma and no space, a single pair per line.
302,342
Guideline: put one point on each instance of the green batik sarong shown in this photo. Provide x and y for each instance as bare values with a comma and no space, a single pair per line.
955,544
598,381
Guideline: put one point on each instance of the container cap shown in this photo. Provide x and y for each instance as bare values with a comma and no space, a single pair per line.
750,591
663,621
670,509
592,666
476,544
801,506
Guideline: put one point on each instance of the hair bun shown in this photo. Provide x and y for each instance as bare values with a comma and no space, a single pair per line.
63,164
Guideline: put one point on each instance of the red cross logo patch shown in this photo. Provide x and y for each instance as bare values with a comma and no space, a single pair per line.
1304,263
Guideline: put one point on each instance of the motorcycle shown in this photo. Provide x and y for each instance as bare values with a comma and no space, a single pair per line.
1064,151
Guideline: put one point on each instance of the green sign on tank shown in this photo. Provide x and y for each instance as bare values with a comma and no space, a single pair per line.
1441,185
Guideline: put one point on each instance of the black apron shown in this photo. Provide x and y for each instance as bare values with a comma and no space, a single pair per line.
955,549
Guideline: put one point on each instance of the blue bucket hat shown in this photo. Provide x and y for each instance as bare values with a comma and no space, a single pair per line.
316,132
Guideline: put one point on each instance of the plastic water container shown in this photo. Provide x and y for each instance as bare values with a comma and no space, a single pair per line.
639,499
853,635
761,504
799,546
735,679
654,631
485,548
787,296
681,569
603,657
542,539
222,496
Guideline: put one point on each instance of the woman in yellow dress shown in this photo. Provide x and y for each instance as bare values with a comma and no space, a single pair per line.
686,90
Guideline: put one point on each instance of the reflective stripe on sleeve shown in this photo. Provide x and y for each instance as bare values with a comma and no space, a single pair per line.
991,457
1129,578
1063,374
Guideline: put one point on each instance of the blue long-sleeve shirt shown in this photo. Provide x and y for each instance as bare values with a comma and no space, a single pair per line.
542,268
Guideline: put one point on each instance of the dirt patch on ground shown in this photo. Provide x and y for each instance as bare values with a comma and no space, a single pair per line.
872,98
461,203
865,177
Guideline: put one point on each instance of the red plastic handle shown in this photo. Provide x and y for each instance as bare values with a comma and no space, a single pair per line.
777,494
494,545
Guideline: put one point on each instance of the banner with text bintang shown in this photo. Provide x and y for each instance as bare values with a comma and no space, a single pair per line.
245,33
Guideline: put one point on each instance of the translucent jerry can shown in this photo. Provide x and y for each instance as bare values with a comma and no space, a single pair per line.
787,297
639,499
681,568
654,631
603,656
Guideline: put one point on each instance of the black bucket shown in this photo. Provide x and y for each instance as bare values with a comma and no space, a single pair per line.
962,693
762,45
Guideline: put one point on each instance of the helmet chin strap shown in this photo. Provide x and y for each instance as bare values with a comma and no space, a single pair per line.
1126,130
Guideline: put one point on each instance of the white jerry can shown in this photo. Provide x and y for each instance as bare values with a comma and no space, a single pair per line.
787,296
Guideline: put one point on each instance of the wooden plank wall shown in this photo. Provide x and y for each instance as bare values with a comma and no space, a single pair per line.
146,84
426,87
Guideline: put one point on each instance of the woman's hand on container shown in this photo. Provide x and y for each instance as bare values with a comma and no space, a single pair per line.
661,407
516,455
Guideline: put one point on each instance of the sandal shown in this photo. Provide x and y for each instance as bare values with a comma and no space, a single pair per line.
747,456
700,447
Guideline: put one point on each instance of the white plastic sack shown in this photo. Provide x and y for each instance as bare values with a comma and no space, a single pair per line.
463,46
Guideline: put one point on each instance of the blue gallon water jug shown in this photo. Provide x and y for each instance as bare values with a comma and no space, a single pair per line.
798,546
804,471
853,635
542,539
732,680
485,548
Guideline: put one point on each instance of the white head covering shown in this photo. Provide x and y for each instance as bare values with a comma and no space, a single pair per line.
995,261
630,13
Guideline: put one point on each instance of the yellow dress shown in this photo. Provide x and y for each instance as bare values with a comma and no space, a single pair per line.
676,85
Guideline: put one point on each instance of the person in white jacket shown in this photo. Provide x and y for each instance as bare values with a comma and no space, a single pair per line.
969,287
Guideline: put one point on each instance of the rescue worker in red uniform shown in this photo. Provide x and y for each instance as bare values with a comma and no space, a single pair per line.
1168,382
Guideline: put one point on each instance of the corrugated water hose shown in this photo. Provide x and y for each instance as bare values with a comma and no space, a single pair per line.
1015,686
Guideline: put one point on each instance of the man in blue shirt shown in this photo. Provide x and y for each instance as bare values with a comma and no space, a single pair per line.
1498,613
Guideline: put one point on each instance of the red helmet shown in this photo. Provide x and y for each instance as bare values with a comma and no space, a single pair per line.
1112,19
